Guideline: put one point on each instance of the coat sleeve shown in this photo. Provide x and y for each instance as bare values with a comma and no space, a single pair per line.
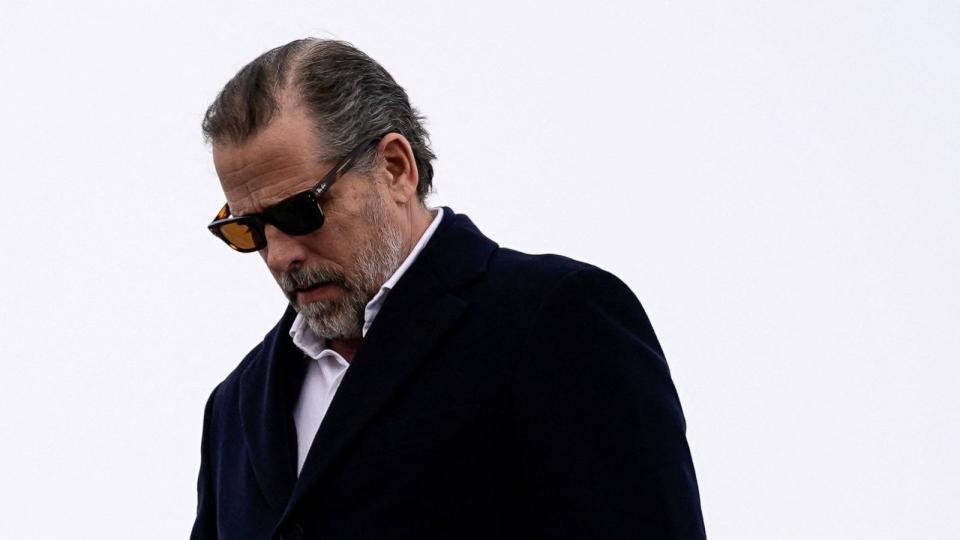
205,525
597,420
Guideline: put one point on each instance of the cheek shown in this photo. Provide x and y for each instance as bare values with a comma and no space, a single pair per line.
339,235
329,247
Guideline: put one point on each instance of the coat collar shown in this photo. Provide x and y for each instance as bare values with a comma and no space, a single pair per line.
420,310
269,388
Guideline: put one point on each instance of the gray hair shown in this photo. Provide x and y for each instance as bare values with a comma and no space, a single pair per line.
349,96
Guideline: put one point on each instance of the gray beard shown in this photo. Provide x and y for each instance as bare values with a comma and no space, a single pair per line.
373,264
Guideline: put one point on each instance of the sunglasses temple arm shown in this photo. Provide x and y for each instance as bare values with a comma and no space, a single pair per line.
223,213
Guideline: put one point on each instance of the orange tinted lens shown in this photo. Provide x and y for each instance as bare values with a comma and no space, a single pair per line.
239,235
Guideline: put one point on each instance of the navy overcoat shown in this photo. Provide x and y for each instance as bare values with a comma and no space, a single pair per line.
498,395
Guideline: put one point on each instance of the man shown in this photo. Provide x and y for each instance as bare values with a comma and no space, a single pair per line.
424,382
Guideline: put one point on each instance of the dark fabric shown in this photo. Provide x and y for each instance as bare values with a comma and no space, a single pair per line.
497,395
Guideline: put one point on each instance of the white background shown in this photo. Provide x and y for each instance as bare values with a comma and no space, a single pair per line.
777,181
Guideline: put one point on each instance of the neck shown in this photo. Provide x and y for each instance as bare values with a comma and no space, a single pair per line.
347,348
417,219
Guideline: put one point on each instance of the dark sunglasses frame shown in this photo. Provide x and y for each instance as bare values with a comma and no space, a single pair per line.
296,215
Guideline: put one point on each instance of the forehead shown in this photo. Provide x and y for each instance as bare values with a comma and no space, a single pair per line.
279,160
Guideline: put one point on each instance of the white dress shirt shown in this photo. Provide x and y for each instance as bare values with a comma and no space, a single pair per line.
327,367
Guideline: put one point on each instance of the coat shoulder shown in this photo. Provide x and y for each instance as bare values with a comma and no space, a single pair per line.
522,276
228,390
538,272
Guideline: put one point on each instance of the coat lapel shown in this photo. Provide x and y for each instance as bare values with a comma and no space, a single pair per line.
418,312
269,387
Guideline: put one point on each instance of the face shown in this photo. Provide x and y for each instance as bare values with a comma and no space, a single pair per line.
328,275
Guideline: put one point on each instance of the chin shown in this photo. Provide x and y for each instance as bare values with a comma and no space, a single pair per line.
333,320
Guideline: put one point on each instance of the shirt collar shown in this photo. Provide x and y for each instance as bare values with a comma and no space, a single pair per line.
314,346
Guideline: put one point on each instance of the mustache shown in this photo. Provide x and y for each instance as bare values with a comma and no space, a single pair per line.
296,280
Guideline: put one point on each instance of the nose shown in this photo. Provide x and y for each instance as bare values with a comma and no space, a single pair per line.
283,252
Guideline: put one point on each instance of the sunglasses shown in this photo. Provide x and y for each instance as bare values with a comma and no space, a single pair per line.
296,215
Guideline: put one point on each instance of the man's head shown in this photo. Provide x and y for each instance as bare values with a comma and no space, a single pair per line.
348,96
279,126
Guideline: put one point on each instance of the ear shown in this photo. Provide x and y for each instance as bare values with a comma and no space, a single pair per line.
401,168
